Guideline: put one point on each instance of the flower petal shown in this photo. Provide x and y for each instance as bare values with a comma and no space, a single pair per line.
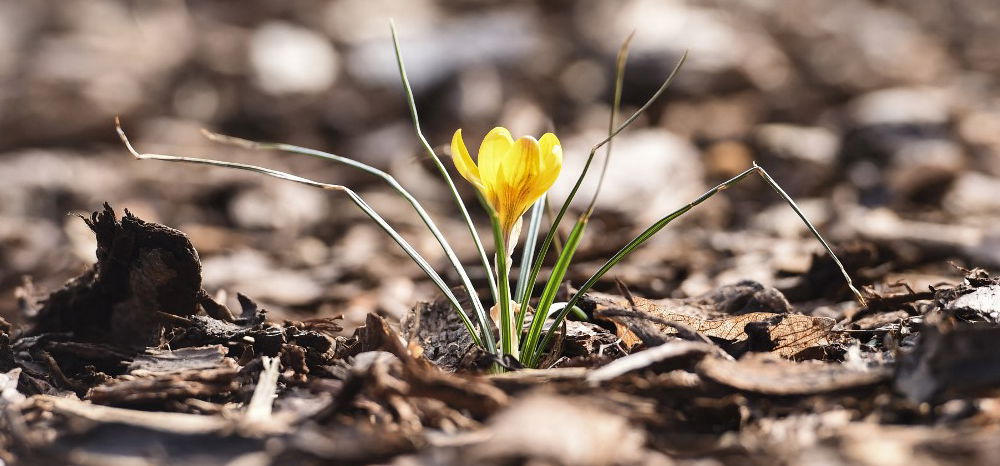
463,161
495,146
522,162
518,174
551,151
551,164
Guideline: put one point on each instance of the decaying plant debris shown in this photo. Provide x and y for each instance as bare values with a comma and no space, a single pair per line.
737,376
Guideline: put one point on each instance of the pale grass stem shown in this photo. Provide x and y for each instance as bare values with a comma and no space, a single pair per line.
485,329
354,197
411,103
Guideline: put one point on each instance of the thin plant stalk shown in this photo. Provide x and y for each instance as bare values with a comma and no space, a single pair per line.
663,222
616,104
812,229
509,335
547,242
557,239
353,196
531,351
487,334
528,253
411,103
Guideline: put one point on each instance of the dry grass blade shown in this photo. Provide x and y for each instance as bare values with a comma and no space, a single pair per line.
354,197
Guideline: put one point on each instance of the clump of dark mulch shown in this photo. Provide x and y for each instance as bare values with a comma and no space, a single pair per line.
133,362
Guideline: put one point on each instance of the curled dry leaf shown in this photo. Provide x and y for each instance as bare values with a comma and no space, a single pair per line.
769,375
782,333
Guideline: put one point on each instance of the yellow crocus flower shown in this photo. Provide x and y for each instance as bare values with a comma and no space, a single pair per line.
511,175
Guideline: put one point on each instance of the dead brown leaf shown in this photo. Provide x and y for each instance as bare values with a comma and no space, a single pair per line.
649,321
768,375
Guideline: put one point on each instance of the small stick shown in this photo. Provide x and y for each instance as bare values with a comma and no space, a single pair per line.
258,410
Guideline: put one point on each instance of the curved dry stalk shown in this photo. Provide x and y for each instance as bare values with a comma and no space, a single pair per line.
412,105
353,196
396,186
616,104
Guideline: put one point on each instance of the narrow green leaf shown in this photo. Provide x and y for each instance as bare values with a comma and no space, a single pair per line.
411,103
638,241
616,104
527,254
547,242
531,351
812,229
663,222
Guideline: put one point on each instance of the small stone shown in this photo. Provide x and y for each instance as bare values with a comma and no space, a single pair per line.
813,145
966,196
290,59
904,105
652,172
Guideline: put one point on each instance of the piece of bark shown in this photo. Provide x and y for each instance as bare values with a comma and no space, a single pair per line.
437,332
70,431
156,389
8,387
539,426
361,443
383,364
981,303
175,423
948,363
157,361
142,268
669,351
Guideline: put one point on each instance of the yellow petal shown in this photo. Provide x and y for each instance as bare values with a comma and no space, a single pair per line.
522,162
551,155
495,146
518,174
463,162
551,151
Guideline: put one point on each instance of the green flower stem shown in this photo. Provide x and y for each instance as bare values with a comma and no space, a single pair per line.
509,335
354,197
547,242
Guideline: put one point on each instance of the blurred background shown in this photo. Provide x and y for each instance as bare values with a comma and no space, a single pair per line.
881,117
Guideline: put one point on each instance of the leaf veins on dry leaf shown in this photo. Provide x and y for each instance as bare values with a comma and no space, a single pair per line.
727,314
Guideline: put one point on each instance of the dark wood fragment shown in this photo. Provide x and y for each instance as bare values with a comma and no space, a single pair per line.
142,268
